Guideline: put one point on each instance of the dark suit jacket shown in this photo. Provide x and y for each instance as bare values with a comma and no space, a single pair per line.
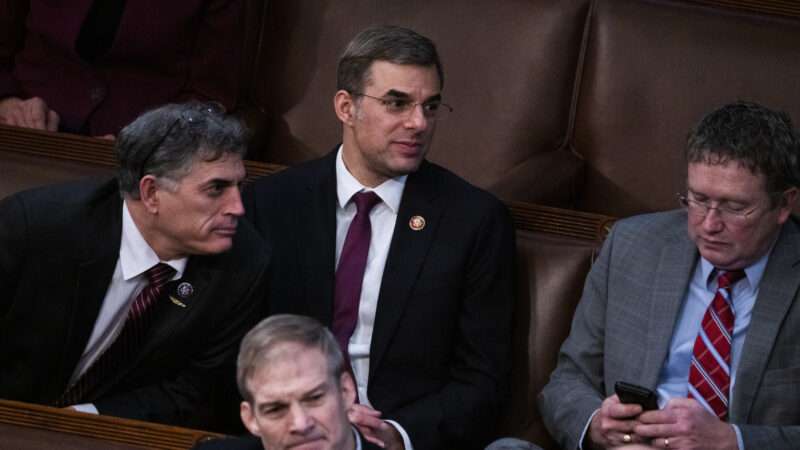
624,323
58,249
439,358
189,49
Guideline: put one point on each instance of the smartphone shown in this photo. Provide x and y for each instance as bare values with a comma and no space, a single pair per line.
633,393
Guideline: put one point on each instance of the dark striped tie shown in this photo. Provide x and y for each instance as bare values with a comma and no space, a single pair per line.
128,342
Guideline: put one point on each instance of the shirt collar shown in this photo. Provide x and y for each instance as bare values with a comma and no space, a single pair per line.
135,254
753,272
390,191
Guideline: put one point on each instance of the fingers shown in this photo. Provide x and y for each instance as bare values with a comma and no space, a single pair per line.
614,423
31,113
369,423
53,120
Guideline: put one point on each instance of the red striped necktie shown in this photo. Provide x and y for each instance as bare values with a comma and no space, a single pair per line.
128,342
710,370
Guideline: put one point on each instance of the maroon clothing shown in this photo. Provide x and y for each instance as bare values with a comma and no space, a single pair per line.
162,52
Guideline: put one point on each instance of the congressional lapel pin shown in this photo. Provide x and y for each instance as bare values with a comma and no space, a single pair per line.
184,291
416,223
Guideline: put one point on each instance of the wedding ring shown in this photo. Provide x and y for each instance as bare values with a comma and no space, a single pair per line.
666,443
626,438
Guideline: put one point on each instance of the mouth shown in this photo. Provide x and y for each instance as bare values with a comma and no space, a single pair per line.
228,231
409,147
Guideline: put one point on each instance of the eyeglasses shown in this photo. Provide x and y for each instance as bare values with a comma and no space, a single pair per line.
432,110
727,213
192,117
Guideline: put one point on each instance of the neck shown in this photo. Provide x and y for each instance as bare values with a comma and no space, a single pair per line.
145,222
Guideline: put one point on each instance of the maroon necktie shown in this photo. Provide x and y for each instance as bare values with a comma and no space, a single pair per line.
350,273
128,342
709,372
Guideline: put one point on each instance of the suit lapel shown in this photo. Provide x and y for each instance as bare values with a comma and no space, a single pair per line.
669,288
96,261
406,258
316,224
776,293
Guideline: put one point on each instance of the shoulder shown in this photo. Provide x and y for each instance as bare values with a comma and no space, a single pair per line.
290,178
647,235
452,191
654,227
64,203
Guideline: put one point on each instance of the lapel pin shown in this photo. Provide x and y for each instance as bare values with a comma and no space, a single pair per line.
177,302
416,223
185,290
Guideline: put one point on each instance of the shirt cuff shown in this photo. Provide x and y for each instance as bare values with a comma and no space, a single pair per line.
403,434
586,429
739,440
85,408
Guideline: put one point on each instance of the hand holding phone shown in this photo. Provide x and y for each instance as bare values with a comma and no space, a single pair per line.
633,393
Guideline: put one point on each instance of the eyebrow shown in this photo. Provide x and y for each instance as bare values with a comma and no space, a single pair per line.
404,95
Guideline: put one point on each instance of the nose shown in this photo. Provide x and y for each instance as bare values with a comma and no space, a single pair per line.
712,222
234,206
416,118
301,421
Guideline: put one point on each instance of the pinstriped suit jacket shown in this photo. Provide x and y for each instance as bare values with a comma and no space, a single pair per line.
624,322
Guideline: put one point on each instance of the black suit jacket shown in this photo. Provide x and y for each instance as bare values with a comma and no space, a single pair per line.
58,249
439,357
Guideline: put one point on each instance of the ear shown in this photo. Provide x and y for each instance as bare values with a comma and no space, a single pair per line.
248,418
348,388
345,107
148,193
788,202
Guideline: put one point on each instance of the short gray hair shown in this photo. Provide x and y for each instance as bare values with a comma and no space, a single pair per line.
393,44
259,343
166,141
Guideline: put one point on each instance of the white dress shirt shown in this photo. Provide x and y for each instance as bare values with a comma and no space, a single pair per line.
382,220
135,258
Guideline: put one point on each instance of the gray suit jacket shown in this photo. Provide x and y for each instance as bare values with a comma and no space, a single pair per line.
624,322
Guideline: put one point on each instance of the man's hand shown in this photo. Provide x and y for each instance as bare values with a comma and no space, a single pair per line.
614,424
685,424
373,428
30,113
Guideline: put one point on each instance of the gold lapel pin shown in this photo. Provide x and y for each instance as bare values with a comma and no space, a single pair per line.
177,302
416,223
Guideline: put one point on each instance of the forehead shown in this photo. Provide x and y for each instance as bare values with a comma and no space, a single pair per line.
288,372
408,78
728,180
228,167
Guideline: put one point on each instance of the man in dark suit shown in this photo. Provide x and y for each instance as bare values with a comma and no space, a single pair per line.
410,265
128,297
708,319
296,389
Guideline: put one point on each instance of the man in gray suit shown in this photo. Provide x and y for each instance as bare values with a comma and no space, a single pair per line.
733,382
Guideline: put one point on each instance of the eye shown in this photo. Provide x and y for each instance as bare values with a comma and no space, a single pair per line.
216,189
273,411
316,398
396,104
431,107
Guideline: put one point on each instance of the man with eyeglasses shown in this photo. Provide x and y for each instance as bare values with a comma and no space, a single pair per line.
410,266
128,296
706,319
